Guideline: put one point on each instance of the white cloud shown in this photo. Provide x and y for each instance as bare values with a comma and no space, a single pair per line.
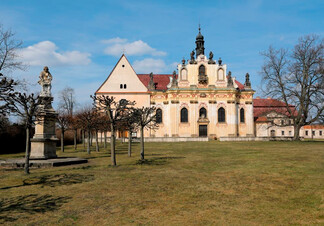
149,65
114,40
117,46
45,53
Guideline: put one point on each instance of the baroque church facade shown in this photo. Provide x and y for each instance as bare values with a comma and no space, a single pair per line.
202,100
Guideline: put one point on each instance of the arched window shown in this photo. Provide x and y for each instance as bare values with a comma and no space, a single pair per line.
242,118
121,86
184,74
159,115
221,115
184,115
202,113
125,86
202,70
221,74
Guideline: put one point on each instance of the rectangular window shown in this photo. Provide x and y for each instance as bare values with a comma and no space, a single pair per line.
282,122
282,133
313,133
320,132
306,132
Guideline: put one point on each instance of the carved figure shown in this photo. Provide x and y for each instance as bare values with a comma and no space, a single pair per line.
174,80
211,55
192,55
230,80
220,61
45,80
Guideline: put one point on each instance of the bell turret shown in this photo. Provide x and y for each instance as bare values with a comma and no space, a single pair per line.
200,49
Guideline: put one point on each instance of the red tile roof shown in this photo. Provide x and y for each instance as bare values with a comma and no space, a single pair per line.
162,80
264,106
313,127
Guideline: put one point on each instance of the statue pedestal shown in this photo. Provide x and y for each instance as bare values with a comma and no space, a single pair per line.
43,144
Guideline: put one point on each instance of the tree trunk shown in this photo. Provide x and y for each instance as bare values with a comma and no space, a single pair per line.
129,143
89,137
83,139
27,150
97,142
142,143
62,140
75,139
112,145
105,140
296,132
101,137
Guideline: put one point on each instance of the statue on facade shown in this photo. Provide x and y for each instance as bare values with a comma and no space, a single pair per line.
151,85
192,57
211,55
247,81
45,80
183,61
220,61
230,80
174,80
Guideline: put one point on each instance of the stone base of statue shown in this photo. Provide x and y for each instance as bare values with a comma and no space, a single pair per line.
43,144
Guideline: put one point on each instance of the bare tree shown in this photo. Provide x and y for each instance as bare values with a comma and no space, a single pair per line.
115,111
85,119
67,100
6,87
25,106
63,123
8,51
296,78
8,62
145,118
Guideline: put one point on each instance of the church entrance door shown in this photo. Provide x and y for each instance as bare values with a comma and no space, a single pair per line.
203,130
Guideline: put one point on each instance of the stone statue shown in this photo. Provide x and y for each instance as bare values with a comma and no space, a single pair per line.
45,80
183,61
211,55
230,80
151,84
192,57
220,61
174,80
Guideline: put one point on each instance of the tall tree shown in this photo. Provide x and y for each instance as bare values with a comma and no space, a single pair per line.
116,111
67,100
25,106
8,62
296,78
8,51
63,123
145,118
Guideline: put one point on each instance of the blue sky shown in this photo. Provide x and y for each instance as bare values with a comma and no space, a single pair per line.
81,41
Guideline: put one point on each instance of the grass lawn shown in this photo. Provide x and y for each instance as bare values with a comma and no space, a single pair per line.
194,183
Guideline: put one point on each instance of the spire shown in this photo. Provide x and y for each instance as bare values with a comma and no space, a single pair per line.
200,49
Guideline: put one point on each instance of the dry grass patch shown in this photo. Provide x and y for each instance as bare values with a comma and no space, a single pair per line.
179,183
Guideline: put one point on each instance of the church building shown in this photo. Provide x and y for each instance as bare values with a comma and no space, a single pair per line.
203,100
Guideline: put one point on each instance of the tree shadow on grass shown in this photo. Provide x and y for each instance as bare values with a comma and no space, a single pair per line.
54,180
157,160
14,208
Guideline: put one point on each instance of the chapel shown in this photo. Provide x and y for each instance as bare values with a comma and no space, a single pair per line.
203,99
